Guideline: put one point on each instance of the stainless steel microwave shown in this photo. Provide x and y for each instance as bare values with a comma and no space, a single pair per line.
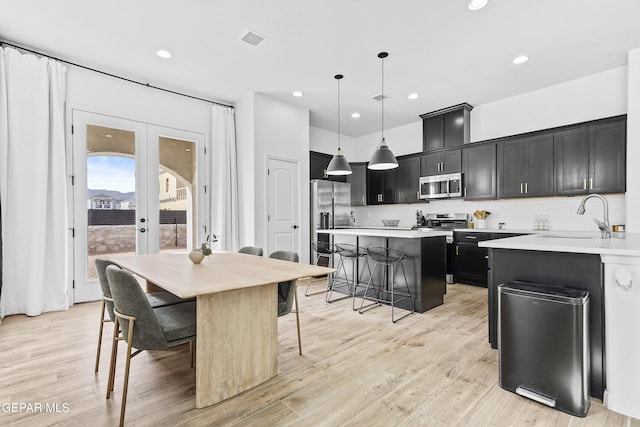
441,186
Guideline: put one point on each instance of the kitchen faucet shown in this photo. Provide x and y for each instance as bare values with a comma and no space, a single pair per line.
604,226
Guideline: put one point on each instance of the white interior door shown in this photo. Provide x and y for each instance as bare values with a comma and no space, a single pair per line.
283,205
133,192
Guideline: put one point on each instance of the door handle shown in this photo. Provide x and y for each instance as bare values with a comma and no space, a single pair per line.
295,227
142,230
143,219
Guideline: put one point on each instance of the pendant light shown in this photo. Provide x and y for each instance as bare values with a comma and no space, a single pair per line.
382,158
339,165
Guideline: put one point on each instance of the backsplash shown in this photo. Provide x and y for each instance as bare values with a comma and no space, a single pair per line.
517,214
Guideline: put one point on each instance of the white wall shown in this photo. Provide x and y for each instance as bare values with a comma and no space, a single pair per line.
282,130
633,142
592,97
325,141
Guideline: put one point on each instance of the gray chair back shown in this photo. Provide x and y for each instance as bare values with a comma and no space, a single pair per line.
101,269
286,290
251,250
129,299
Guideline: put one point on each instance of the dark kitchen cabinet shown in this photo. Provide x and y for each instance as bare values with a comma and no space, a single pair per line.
525,167
441,162
445,128
479,168
318,163
407,179
471,261
607,157
591,158
358,181
381,187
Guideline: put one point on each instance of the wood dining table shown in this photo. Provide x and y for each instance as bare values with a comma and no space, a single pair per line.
237,313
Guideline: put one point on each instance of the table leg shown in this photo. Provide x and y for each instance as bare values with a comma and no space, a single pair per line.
237,345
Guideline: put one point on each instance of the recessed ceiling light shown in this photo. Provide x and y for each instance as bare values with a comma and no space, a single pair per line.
413,96
477,4
520,59
297,93
163,54
355,115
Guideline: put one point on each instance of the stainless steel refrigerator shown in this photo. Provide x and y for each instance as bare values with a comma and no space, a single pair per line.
330,208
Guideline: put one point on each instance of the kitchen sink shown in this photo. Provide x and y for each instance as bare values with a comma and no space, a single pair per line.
570,235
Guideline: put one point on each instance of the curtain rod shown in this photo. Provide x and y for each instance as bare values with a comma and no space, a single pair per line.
5,43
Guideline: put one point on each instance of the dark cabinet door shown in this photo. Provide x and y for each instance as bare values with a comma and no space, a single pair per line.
432,133
381,186
358,181
471,264
511,159
453,128
452,161
430,164
538,179
318,166
607,157
479,168
408,177
571,159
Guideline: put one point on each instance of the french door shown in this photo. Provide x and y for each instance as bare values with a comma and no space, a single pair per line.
135,191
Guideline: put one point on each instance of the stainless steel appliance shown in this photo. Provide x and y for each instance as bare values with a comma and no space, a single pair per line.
447,221
330,208
441,186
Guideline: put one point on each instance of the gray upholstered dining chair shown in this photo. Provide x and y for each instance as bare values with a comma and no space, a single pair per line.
142,326
251,250
156,299
287,293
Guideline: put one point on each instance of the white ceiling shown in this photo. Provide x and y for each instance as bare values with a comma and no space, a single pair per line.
437,48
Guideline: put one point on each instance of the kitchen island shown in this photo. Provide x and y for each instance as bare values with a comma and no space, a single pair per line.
610,270
425,265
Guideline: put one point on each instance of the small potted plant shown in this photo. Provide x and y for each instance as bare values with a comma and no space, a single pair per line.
197,255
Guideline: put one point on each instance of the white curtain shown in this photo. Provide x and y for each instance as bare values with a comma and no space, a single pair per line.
224,179
33,189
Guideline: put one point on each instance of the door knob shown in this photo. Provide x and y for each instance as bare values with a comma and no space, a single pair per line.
142,230
142,219
295,227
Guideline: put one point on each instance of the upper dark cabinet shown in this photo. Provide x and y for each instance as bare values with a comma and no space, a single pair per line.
479,168
607,157
318,163
408,179
446,128
358,181
381,187
525,167
591,158
441,162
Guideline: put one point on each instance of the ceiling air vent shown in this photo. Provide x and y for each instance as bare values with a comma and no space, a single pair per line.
379,97
253,38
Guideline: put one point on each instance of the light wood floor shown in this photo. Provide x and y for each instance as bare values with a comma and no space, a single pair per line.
431,369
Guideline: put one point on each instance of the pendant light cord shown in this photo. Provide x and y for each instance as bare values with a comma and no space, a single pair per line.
338,114
382,99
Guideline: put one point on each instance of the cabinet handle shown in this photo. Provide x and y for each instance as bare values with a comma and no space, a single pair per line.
486,257
465,191
382,197
363,201
590,183
441,167
526,188
470,237
418,194
584,184
520,188
324,173
457,250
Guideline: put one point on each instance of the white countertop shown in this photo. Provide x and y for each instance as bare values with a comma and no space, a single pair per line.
585,242
394,232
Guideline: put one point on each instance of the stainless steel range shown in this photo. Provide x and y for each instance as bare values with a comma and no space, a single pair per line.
447,221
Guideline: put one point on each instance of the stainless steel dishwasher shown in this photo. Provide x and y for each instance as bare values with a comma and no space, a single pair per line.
543,344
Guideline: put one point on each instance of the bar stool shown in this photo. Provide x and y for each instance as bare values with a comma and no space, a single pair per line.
389,260
322,250
350,253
